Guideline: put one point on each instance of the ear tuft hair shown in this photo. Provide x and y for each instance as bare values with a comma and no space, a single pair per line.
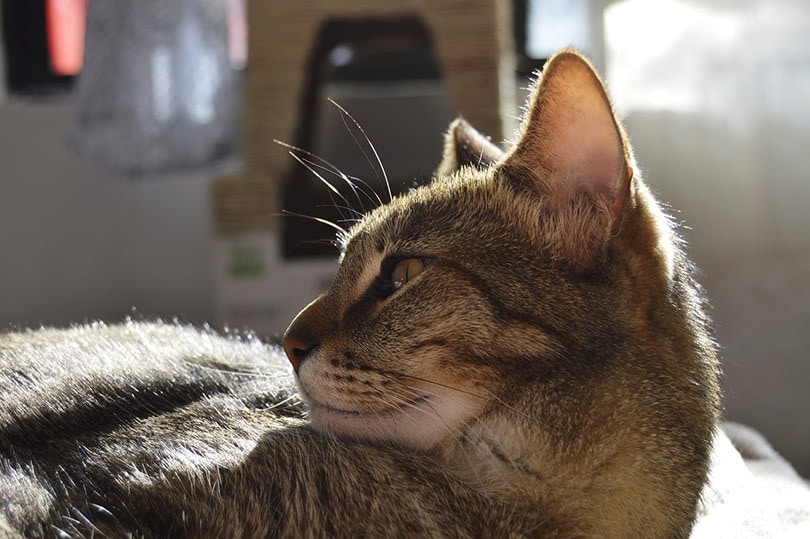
573,157
464,146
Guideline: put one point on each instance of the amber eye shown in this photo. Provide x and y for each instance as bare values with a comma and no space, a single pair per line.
405,270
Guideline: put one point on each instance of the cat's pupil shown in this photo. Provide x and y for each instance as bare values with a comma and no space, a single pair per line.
405,270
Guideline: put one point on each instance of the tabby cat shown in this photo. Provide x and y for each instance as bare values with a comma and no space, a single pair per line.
517,348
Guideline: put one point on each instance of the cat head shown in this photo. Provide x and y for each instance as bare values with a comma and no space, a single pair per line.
538,290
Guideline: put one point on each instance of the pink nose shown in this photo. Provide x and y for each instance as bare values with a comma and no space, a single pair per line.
296,349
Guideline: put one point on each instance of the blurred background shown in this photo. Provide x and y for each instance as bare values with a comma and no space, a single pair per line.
117,120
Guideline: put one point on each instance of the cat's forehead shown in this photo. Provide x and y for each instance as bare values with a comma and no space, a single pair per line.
412,224
419,219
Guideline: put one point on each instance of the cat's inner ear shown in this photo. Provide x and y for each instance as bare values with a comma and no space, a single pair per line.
464,146
573,153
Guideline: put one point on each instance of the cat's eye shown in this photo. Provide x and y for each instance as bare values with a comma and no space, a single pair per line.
396,272
405,270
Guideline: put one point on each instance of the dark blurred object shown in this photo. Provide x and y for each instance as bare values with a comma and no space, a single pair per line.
35,65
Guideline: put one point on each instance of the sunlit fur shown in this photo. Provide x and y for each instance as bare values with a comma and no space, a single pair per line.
550,372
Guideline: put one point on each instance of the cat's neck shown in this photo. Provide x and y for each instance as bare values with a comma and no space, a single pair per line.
592,483
500,455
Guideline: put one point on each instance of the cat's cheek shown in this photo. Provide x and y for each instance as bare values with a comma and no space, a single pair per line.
372,406
312,377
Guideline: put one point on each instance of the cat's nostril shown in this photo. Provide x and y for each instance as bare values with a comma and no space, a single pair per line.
296,349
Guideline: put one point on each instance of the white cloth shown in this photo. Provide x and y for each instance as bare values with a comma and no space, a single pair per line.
752,491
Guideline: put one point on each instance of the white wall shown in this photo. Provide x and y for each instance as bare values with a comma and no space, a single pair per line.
750,234
78,243
717,100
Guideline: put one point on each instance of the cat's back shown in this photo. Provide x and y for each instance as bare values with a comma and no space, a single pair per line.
96,359
90,414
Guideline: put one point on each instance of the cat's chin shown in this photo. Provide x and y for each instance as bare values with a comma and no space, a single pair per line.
419,424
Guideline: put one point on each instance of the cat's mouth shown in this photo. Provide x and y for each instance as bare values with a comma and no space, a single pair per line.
420,419
400,407
413,422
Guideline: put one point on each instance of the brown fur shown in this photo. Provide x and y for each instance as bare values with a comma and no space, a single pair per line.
545,369
557,306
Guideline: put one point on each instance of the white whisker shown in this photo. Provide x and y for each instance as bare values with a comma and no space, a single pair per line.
250,371
341,231
358,215
351,181
345,113
311,167
376,200
331,168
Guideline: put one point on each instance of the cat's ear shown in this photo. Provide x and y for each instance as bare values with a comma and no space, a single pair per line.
573,157
465,146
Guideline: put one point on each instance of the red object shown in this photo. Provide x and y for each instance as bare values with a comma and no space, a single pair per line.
237,33
65,21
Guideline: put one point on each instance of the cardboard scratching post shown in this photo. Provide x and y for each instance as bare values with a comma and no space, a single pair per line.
472,42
